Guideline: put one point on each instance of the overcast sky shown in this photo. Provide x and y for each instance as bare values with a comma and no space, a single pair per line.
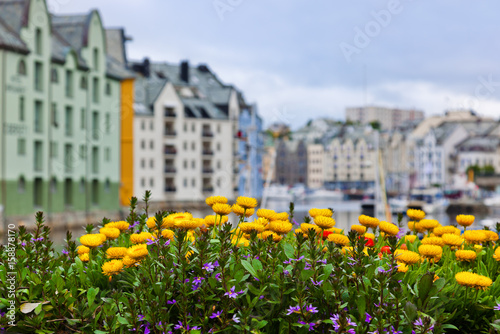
300,59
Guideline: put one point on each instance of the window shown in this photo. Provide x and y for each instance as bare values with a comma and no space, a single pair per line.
21,146
53,185
151,125
143,163
68,158
95,90
21,67
68,192
193,146
54,120
193,182
185,164
82,185
83,82
21,108
143,182
38,76
82,119
95,160
37,192
108,88
185,145
151,144
151,163
95,125
38,126
68,122
95,192
218,128
83,152
151,182
21,185
53,149
95,59
218,147
185,182
143,125
69,84
107,185
38,156
143,144
193,127
38,41
107,154
108,122
54,77
193,164
218,164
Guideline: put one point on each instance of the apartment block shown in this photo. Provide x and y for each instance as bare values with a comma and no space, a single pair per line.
389,118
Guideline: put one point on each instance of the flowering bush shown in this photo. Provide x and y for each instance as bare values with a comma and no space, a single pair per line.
174,273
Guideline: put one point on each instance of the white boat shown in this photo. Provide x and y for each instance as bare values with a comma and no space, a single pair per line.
492,201
398,204
430,200
277,192
323,194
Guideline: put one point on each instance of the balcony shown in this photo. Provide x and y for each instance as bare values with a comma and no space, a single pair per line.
170,133
170,150
207,152
170,189
170,113
208,189
207,134
207,170
170,169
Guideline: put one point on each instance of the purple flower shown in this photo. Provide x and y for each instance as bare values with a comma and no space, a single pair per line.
293,309
322,261
335,319
65,252
233,294
351,331
311,325
179,326
368,318
23,243
236,319
140,317
216,314
497,308
261,297
171,302
307,266
418,322
133,225
151,241
316,283
395,331
350,323
286,272
311,309
288,261
209,267
167,243
217,276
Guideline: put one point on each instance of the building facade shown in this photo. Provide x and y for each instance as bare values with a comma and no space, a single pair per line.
388,118
60,109
291,162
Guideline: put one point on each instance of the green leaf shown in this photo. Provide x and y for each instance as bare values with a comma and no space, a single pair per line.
257,265
328,269
425,285
122,320
361,302
91,293
306,274
249,268
100,332
411,311
289,250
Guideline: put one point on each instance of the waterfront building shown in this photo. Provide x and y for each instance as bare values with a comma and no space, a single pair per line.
187,133
388,118
60,112
291,162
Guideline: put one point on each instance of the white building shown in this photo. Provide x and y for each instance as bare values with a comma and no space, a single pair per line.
388,118
315,166
186,122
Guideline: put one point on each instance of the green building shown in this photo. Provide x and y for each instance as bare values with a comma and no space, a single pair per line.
59,111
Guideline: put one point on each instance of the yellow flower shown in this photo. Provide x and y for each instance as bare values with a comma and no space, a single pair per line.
338,239
248,227
246,202
335,230
415,226
151,222
276,237
112,267
280,216
402,268
472,280
121,225
415,214
281,226
215,199
465,220
261,221
188,224
465,255
324,222
82,249
129,261
496,256
240,242
221,209
388,228
369,235
347,250
139,238
168,234
266,213
305,227
433,241
84,257
406,256
440,230
368,221
410,238
116,252
430,251
475,236
428,224
111,233
320,212
240,211
92,240
211,219
360,229
492,236
452,239
138,251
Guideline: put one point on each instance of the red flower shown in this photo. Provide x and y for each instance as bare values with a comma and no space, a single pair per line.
369,242
326,234
386,249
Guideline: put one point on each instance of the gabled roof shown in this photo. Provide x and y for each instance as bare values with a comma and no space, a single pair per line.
480,143
13,16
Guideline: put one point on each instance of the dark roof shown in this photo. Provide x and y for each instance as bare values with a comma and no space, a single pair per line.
13,16
480,144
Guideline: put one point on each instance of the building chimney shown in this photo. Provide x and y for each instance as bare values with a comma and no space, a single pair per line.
185,71
146,68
